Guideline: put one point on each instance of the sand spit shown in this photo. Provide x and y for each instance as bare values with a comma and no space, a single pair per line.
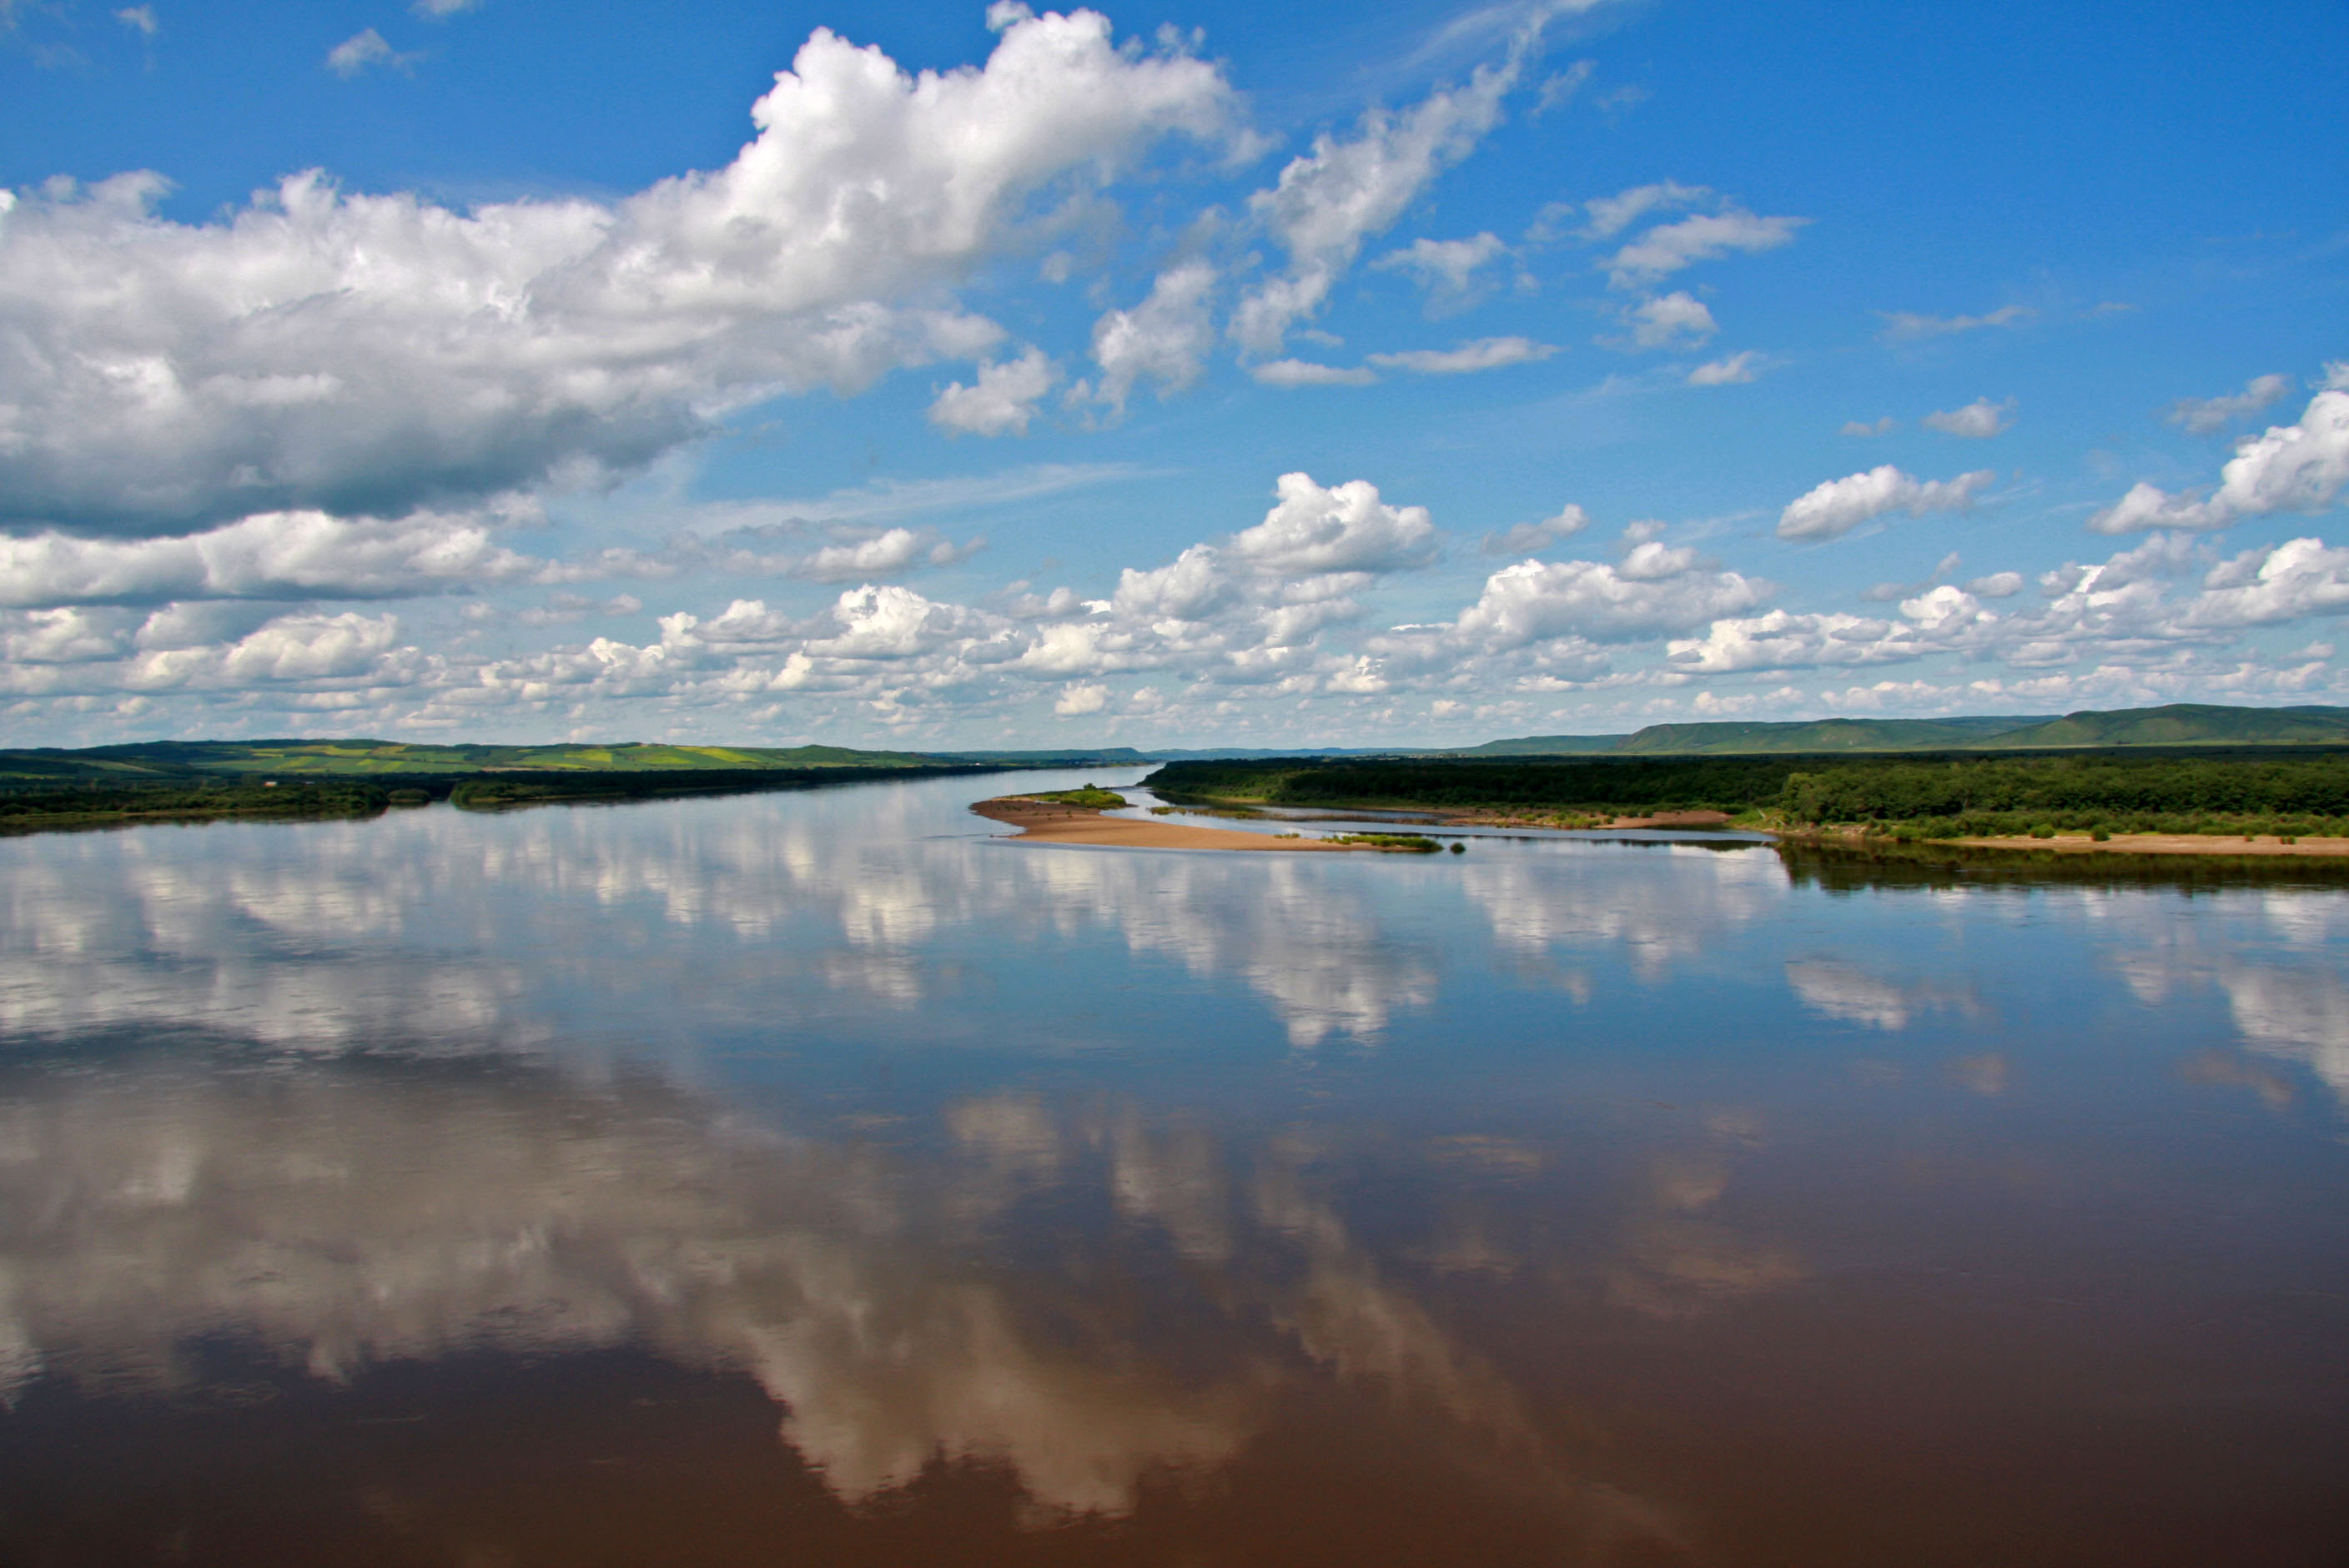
1049,822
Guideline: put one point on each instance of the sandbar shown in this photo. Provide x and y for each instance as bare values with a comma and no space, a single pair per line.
1051,822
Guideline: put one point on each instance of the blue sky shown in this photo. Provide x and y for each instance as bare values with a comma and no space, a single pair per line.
1206,375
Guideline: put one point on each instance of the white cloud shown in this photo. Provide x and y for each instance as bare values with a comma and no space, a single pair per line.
1979,419
1002,400
1305,373
1527,538
1672,318
275,555
891,550
361,50
1534,600
1838,506
2209,416
365,355
2299,578
1669,247
1906,326
1330,200
1733,371
1611,215
436,9
1445,268
2300,467
1165,339
140,19
1997,585
1346,527
1883,426
1076,701
1484,354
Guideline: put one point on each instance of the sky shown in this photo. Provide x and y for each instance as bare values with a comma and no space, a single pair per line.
953,376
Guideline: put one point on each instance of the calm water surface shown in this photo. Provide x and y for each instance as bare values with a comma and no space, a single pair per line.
813,1178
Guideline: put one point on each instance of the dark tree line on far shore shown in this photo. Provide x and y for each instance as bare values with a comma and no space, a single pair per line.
1949,796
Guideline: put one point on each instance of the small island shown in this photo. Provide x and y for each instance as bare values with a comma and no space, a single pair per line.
1080,817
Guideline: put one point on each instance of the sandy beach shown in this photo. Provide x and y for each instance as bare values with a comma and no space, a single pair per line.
2163,845
1049,822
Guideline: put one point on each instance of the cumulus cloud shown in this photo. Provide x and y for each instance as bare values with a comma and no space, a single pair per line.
1346,527
1733,371
1484,354
1447,269
1883,426
362,49
2299,578
272,555
1611,215
1675,318
1653,591
1163,340
1901,326
1978,420
1527,538
1076,701
1328,201
1669,247
1838,506
2209,416
365,355
1002,400
1306,372
2300,467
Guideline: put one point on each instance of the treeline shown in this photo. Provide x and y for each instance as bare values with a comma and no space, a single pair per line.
57,806
1937,797
2111,794
1877,865
1612,784
493,792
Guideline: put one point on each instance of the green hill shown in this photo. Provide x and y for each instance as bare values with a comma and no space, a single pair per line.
1734,738
180,760
2185,724
2179,724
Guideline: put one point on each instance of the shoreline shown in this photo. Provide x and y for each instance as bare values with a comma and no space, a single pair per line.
1051,822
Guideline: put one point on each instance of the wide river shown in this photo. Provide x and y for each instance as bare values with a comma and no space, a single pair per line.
818,1178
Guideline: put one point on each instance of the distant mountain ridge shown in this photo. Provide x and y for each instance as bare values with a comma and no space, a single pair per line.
2175,724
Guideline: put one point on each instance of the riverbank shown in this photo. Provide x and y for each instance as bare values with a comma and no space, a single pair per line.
2231,846
1057,823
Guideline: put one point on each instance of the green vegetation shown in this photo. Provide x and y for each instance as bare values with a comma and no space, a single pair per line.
2176,725
497,792
195,780
1947,795
86,804
1609,785
1393,843
1091,797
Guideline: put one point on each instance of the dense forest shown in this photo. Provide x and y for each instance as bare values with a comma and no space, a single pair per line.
496,791
26,810
1905,796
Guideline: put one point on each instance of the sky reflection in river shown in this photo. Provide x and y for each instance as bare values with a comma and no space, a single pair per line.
1561,1201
